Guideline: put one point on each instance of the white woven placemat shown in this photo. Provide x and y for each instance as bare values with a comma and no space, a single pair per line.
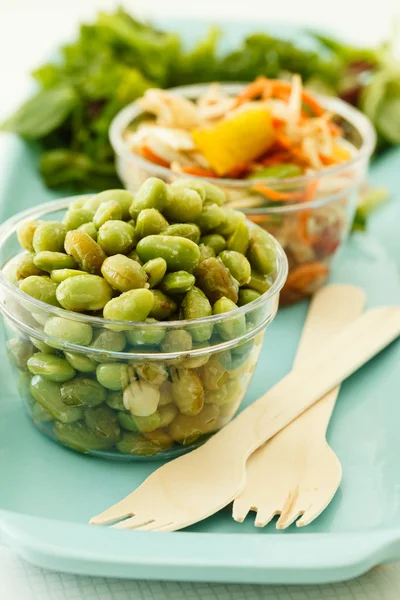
22,581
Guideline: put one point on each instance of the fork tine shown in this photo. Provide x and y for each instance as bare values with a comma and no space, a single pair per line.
285,520
263,516
132,523
240,510
118,511
153,526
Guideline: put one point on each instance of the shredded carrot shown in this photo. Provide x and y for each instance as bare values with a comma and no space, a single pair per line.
335,129
198,171
277,123
307,278
276,196
275,159
253,90
311,188
328,160
153,157
258,218
282,141
301,227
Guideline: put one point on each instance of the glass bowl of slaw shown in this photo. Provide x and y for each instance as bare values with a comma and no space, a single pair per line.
309,214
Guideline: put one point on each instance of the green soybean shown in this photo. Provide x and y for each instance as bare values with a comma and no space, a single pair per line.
80,362
179,253
151,194
123,273
215,241
178,282
82,391
187,230
76,217
50,261
40,287
70,331
149,222
116,237
114,376
79,437
48,395
49,235
155,270
134,305
237,264
84,293
50,367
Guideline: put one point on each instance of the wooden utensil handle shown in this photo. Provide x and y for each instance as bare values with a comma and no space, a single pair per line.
301,388
332,308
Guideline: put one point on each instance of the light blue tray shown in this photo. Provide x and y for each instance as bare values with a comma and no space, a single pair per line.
48,493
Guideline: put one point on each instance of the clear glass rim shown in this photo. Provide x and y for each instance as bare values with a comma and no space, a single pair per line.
357,119
11,225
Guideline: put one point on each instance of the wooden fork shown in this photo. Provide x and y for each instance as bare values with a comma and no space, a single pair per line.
197,485
297,473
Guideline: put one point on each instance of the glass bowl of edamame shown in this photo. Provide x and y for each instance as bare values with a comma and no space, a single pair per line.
134,324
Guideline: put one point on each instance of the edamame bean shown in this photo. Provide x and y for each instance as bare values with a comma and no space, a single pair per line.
123,274
148,336
50,367
134,305
110,341
239,240
215,280
107,211
186,429
127,421
167,414
177,340
80,362
84,293
82,391
87,253
59,275
147,424
247,296
47,394
114,376
229,328
41,414
155,270
20,350
211,217
206,252
138,445
196,305
103,422
165,390
184,205
178,252
49,235
187,391
232,219
79,437
115,237
149,222
155,373
123,197
40,287
26,232
74,218
237,264
25,267
115,400
73,332
141,398
259,282
90,229
215,241
163,306
261,251
186,230
50,261
151,194
42,346
178,282
214,375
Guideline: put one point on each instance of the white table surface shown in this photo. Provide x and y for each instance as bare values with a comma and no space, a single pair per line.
29,30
